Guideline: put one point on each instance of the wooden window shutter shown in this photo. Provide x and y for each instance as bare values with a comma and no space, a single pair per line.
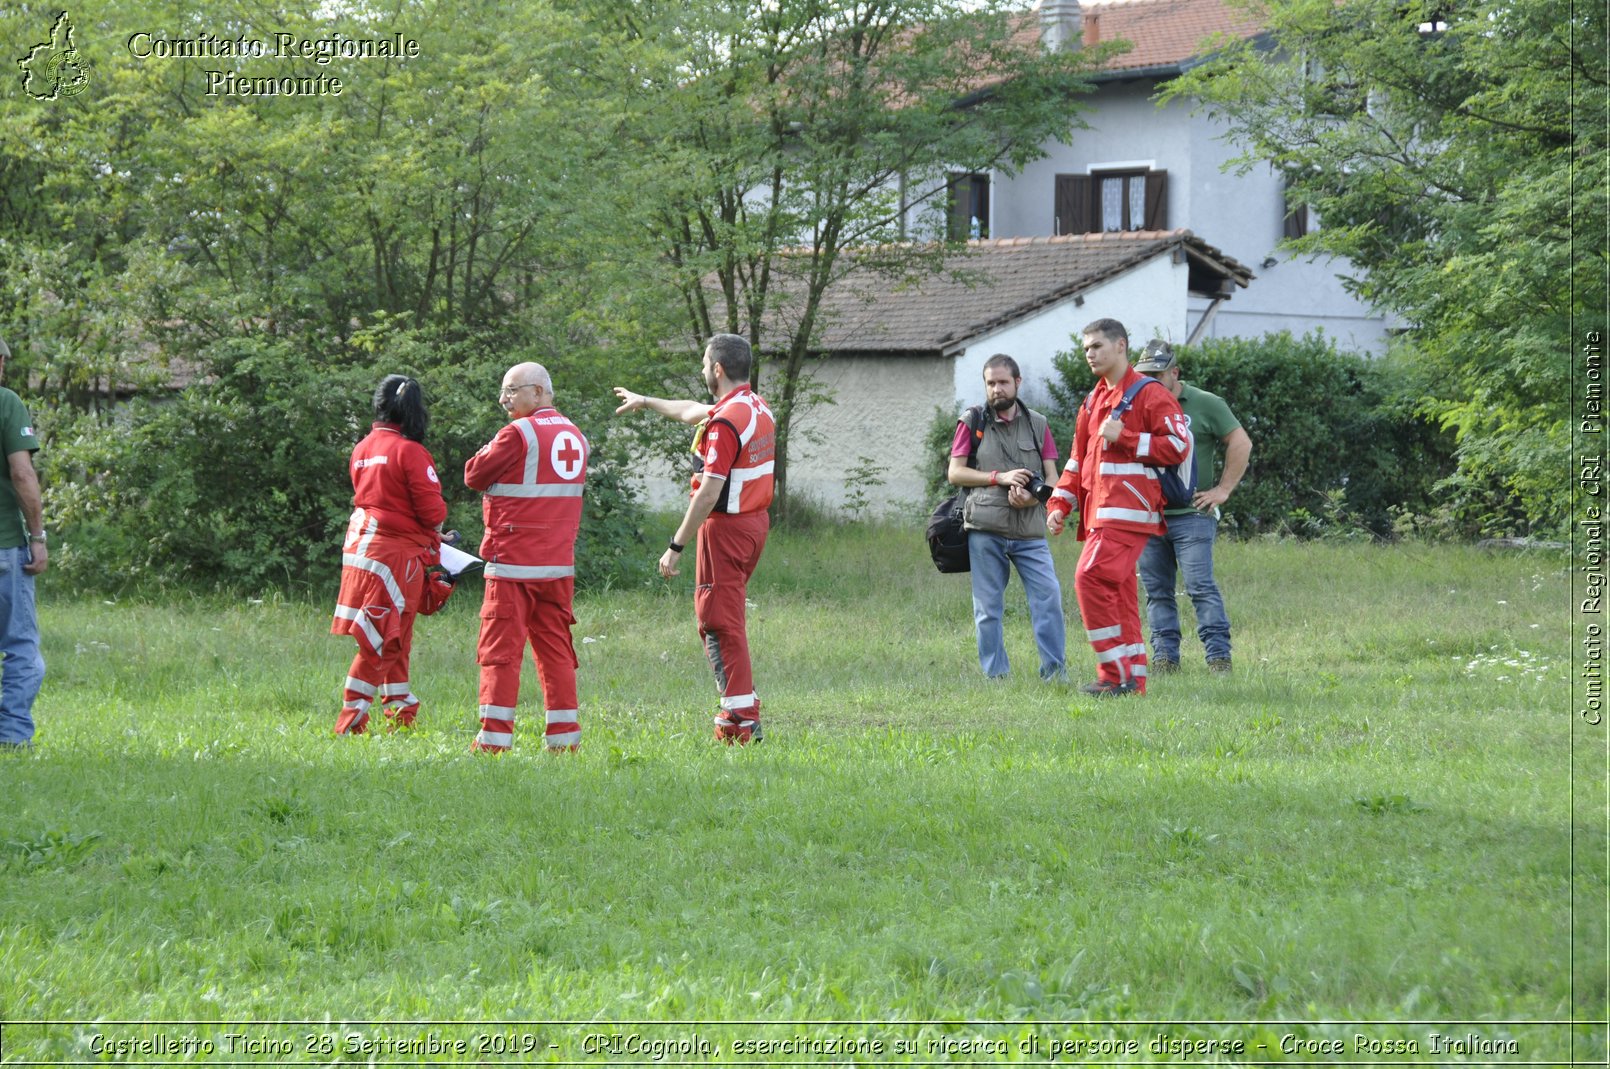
1156,201
1295,224
959,225
1074,204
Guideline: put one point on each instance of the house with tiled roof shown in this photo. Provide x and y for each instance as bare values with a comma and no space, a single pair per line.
1137,164
898,351
1137,218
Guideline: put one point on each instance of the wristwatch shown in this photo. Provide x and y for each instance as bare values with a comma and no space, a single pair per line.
674,548
40,537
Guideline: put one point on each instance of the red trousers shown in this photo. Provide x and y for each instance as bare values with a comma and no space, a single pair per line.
382,585
1109,601
512,613
728,550
379,679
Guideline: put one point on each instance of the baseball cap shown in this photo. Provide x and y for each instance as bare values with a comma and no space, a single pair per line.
1157,356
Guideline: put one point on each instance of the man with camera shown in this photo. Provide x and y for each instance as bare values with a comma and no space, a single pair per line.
1006,458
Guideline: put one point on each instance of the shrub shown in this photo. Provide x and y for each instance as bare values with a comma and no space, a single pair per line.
241,481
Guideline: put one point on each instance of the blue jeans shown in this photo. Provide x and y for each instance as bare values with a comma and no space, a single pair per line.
1188,542
22,669
992,557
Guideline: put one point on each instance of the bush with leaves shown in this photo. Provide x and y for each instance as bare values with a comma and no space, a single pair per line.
1335,435
240,481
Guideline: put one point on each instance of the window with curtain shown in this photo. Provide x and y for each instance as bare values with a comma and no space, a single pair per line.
1111,201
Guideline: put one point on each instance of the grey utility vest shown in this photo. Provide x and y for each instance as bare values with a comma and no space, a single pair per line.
1004,447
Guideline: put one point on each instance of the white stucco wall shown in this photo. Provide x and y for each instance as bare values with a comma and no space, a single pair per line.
1149,301
881,407
881,410
1239,213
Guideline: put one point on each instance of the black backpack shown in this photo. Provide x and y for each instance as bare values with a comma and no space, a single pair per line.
947,538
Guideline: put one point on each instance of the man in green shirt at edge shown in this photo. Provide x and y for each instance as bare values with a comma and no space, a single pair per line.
1188,542
22,556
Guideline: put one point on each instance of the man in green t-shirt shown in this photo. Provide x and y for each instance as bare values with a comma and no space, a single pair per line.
1187,545
22,556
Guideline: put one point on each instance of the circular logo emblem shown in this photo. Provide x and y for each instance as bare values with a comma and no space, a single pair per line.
567,455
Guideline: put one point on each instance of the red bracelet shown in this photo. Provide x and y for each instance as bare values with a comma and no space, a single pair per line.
992,476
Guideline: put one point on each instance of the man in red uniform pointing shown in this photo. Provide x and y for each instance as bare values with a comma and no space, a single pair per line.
732,488
1109,478
531,476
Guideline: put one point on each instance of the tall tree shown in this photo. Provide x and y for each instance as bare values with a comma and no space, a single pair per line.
767,138
287,246
1440,143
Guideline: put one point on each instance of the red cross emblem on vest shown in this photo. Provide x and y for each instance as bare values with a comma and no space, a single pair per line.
566,455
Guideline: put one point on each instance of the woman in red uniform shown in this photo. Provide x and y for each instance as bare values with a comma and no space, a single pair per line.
394,535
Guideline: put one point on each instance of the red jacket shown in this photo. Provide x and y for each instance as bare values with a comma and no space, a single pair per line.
532,476
1114,485
394,480
739,443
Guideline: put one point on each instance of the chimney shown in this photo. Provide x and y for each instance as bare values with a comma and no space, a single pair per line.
1061,25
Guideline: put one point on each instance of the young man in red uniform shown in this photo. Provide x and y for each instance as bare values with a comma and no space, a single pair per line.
1109,478
732,489
531,476
394,535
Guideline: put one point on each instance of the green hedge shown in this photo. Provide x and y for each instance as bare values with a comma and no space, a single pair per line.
1337,444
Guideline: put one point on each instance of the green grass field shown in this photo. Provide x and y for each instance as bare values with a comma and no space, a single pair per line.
1366,836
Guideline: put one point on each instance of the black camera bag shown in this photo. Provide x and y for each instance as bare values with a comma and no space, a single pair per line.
947,538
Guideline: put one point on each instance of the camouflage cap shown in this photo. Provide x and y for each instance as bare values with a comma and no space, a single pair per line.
1157,356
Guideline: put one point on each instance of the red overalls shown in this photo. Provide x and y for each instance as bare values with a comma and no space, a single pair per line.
739,444
531,476
390,541
1120,507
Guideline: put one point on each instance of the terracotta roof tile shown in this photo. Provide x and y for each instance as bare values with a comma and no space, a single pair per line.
1165,33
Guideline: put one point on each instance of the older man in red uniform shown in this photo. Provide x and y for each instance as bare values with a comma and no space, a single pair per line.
531,476
732,489
1109,477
